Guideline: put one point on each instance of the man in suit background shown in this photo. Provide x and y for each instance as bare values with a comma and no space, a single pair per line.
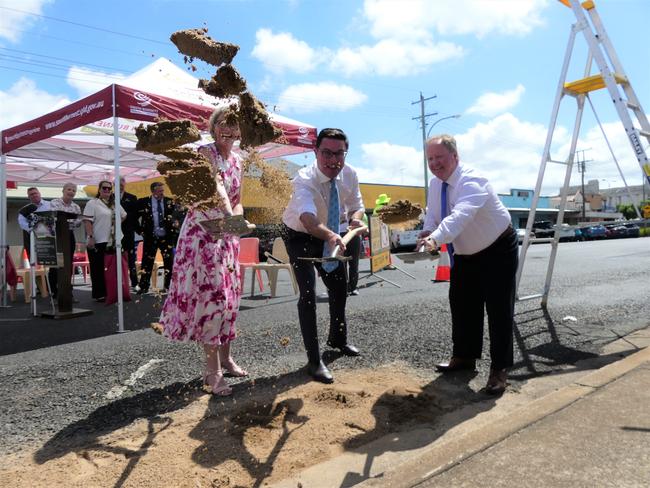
129,203
36,203
155,214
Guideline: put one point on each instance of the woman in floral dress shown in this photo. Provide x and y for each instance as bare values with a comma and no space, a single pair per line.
204,294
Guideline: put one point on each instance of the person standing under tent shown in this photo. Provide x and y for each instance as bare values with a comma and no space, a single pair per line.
129,203
205,290
36,204
312,222
465,213
99,221
155,221
65,204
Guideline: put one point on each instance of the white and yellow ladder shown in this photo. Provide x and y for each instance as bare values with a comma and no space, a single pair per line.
610,76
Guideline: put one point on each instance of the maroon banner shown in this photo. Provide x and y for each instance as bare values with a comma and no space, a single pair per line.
140,105
131,104
85,111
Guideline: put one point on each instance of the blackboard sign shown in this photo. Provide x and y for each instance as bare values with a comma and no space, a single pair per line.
45,239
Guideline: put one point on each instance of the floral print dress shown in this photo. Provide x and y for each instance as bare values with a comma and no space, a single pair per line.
203,300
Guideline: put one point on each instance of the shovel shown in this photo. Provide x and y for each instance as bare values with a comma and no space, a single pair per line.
335,253
419,255
234,224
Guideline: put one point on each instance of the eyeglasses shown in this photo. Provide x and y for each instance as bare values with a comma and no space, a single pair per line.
107,188
327,154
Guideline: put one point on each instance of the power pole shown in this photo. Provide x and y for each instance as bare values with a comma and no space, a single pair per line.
422,119
581,169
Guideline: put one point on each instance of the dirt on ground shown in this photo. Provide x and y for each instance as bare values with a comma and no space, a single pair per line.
262,434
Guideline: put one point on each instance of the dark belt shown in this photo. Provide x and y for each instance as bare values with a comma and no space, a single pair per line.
506,232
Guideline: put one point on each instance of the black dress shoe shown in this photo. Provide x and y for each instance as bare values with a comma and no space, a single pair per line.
497,382
346,349
456,364
142,291
319,372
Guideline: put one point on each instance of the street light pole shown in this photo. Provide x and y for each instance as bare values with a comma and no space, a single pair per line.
424,149
423,120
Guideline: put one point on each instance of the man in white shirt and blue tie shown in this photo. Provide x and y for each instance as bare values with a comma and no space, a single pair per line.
312,220
465,213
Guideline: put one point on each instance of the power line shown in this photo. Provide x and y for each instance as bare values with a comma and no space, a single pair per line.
56,76
61,59
86,26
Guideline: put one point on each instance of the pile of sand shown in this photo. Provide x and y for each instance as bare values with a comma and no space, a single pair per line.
401,212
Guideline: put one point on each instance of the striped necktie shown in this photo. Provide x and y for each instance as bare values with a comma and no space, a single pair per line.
443,213
332,224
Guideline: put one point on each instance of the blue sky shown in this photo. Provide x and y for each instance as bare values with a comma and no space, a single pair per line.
357,65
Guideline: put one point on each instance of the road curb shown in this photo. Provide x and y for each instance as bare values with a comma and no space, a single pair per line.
441,457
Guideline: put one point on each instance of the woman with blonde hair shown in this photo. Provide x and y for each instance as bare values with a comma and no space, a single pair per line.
203,300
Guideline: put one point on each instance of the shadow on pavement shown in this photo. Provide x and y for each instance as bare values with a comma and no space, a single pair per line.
235,424
22,332
398,413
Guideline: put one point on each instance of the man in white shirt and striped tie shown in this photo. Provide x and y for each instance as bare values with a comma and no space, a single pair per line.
312,220
465,213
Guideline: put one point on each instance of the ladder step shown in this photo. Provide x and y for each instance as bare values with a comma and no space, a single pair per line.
556,161
644,133
541,240
530,297
632,106
590,83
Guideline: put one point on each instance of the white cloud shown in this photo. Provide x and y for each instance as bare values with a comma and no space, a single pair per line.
23,101
491,104
390,57
13,23
415,20
313,97
87,81
280,52
383,162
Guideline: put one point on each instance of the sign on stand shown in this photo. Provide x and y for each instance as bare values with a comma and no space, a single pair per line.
45,241
379,244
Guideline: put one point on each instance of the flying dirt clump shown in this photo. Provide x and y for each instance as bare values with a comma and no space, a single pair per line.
162,136
225,83
197,44
254,122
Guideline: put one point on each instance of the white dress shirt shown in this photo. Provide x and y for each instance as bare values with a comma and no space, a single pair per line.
311,193
24,223
476,215
101,216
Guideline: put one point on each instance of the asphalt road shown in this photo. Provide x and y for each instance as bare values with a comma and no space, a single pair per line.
62,380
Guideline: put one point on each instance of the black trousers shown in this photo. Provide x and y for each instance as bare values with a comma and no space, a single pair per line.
299,244
352,249
149,248
96,262
485,281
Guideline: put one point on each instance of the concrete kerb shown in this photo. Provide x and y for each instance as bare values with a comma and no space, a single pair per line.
442,457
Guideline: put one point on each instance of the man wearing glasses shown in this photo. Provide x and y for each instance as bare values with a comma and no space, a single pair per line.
312,220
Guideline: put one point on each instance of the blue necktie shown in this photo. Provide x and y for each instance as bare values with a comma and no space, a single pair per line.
443,213
332,224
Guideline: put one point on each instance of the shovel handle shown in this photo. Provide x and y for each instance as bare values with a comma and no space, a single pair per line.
348,237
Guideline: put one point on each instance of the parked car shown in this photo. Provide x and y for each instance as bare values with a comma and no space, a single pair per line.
633,230
616,231
579,237
567,233
521,233
543,228
594,232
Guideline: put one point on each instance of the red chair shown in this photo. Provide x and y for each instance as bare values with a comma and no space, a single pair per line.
249,257
80,259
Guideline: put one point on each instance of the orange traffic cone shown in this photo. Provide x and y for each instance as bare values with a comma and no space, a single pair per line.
443,270
26,264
